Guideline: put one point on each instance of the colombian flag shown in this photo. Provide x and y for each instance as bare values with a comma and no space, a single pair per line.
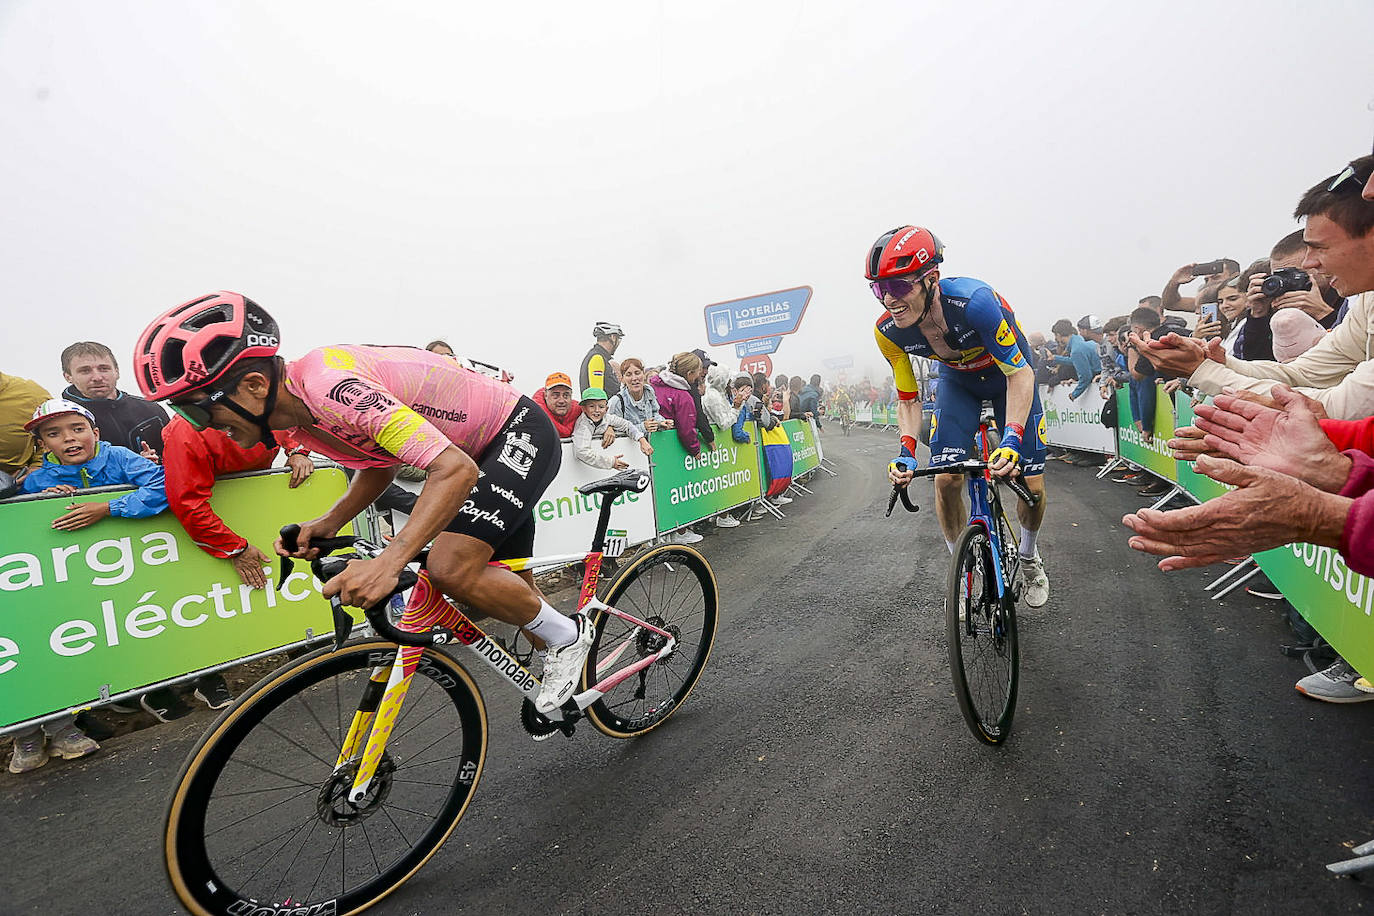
777,459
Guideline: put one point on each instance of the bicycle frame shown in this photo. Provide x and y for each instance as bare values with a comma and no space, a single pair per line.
427,608
982,510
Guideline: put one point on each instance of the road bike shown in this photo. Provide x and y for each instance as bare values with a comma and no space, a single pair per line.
981,591
335,778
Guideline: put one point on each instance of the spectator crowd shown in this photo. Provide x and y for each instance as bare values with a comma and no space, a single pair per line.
1285,345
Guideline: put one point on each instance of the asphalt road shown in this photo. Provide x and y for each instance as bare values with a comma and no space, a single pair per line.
1161,760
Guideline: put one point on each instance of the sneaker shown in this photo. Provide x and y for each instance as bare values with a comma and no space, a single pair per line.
70,743
758,512
726,521
685,536
1132,477
1037,585
1334,685
127,708
781,500
563,665
164,705
213,692
1158,488
29,752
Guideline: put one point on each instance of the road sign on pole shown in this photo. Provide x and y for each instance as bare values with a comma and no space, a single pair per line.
757,347
766,315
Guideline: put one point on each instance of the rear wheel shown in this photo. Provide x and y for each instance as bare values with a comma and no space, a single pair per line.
674,589
260,819
981,630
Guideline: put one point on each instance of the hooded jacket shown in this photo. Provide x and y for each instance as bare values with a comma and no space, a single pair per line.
112,466
565,424
18,398
676,403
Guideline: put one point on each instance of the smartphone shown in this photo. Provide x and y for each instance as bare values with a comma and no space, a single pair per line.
1208,312
1206,270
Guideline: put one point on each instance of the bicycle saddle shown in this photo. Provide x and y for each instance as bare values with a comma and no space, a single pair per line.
633,480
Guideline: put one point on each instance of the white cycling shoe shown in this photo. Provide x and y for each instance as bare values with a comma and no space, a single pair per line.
1036,585
563,665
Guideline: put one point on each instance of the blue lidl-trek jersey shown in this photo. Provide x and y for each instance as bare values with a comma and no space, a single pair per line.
981,328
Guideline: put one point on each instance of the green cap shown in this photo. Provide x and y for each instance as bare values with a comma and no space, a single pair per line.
594,394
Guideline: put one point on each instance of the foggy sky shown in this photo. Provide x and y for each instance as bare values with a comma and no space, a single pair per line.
505,175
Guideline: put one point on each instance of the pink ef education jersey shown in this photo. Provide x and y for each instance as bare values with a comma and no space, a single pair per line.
379,407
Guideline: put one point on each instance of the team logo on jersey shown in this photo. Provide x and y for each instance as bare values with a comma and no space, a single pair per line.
1005,337
934,424
1040,431
518,453
356,393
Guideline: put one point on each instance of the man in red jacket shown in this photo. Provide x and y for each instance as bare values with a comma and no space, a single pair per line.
192,460
557,400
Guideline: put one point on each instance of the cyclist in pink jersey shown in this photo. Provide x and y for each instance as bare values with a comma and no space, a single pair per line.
489,452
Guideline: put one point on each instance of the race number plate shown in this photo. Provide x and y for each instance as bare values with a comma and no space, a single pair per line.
616,542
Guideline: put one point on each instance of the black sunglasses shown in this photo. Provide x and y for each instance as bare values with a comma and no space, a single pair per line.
1346,177
197,412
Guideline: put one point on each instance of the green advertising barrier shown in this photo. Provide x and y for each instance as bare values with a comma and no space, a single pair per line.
1315,580
1153,455
126,603
688,489
805,456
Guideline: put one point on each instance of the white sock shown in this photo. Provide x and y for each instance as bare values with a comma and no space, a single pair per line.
950,545
549,625
1028,541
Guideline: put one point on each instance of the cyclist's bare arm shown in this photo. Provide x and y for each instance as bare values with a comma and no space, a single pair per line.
909,417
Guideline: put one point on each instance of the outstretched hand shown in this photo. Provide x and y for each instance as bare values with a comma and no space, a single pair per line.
1266,510
1286,437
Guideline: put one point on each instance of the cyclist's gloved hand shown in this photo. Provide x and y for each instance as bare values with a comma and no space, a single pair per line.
1007,455
906,458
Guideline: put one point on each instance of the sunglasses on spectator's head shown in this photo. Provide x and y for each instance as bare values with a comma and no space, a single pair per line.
896,287
1345,180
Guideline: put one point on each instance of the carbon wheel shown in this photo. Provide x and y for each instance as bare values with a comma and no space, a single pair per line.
674,589
260,817
981,630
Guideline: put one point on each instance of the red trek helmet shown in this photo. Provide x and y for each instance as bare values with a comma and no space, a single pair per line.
904,250
195,344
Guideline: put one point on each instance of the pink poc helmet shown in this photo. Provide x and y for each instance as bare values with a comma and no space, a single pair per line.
195,344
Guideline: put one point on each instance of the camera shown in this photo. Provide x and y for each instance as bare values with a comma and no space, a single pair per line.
1285,280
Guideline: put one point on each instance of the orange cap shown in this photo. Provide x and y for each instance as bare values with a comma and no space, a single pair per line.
557,378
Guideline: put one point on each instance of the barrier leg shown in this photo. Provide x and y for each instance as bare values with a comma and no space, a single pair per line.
774,510
1353,866
1174,490
1233,571
1237,584
1110,466
826,466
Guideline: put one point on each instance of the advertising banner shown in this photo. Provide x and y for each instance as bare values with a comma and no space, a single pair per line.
565,520
863,413
1076,423
688,489
1151,454
1337,602
129,602
805,456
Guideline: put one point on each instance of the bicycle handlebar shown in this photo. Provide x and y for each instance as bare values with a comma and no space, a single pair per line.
967,468
327,567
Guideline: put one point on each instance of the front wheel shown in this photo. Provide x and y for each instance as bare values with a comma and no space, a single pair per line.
981,629
260,819
674,589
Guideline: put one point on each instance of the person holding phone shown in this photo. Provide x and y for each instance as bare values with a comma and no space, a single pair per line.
1216,272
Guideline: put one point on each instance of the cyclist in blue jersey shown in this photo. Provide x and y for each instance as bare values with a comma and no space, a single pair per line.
971,331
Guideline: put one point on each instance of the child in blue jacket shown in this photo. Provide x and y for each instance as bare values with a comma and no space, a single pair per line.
77,459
